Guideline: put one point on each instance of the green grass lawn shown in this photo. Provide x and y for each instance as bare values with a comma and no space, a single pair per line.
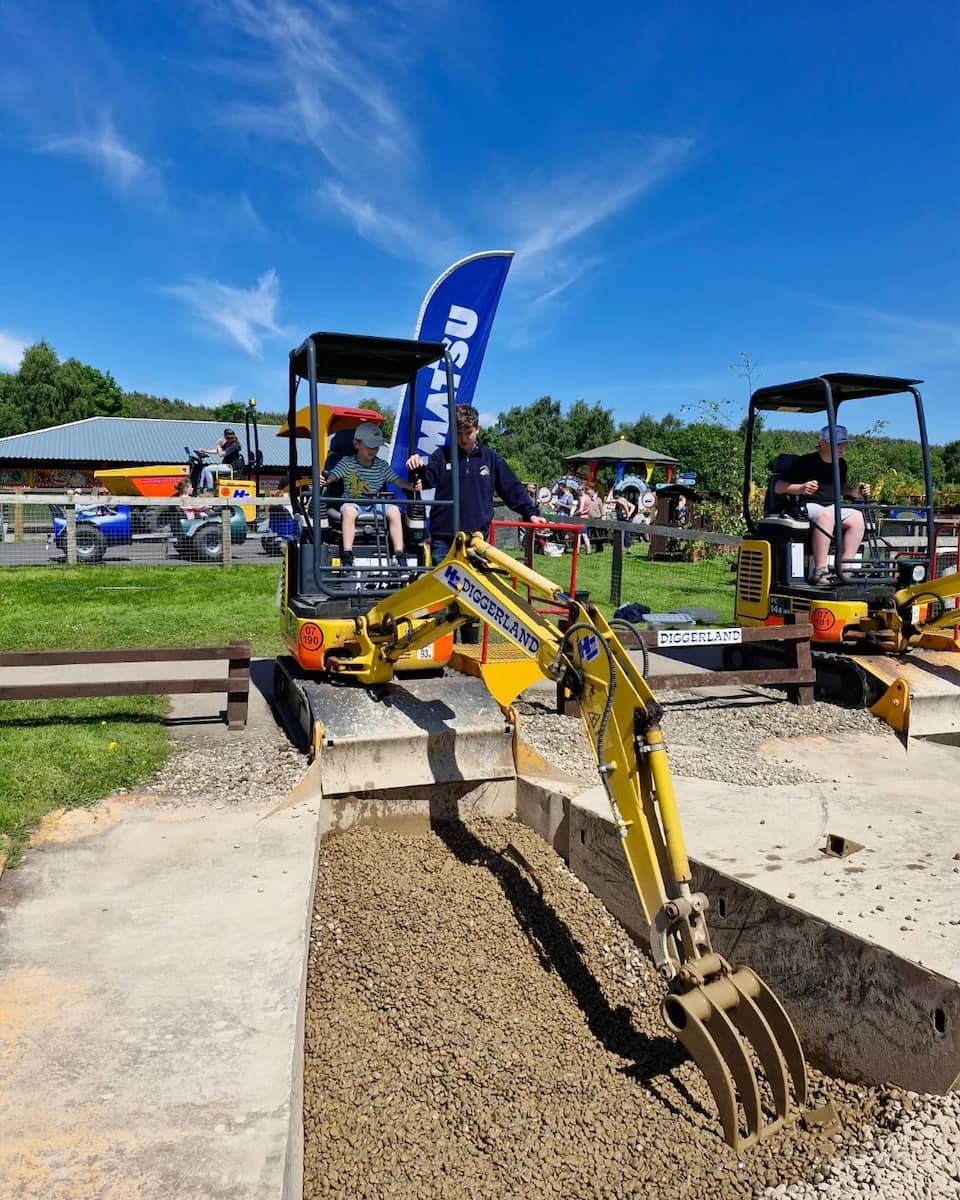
661,586
88,607
74,752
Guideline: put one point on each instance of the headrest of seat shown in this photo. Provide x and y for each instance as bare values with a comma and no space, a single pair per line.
781,462
342,442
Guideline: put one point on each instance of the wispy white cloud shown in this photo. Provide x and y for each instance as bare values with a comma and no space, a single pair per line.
11,350
329,87
908,337
331,78
102,147
922,335
245,315
424,241
553,219
553,211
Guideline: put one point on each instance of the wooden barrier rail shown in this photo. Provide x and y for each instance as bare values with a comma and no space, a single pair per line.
798,679
236,682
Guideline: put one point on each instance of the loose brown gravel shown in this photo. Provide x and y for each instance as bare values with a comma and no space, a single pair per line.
479,1026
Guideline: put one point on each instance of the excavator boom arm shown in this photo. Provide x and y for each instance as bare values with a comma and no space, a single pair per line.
711,1006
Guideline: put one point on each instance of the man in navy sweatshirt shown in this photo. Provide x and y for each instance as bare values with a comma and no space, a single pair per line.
483,473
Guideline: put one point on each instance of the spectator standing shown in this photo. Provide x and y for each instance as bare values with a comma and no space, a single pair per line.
483,474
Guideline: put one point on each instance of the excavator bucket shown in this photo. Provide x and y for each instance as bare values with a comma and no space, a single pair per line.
726,1026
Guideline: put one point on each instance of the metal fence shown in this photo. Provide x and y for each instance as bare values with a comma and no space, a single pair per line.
664,568
688,573
73,527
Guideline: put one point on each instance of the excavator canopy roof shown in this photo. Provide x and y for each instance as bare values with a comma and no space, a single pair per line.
346,358
810,396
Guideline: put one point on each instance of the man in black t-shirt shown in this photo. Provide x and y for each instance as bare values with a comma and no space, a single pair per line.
811,478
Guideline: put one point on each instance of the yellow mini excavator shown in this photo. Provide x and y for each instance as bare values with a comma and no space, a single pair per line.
883,627
725,1015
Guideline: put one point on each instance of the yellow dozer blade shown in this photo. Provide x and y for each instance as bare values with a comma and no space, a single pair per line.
894,708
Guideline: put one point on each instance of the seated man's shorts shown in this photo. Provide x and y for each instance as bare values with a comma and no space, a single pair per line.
814,510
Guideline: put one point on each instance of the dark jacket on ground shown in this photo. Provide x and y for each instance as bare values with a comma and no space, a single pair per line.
483,473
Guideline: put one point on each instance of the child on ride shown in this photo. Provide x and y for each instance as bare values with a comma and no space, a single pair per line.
364,477
183,491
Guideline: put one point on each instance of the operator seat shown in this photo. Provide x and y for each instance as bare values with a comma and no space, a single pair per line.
786,526
368,524
371,527
782,514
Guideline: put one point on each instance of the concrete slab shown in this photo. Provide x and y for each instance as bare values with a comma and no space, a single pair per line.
864,949
152,974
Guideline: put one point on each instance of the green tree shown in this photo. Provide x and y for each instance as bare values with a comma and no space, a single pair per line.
87,392
532,438
644,431
387,410
145,406
951,462
11,421
35,393
713,451
586,427
232,412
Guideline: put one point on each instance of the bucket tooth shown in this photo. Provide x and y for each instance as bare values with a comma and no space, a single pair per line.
709,1037
750,1021
719,1023
785,1036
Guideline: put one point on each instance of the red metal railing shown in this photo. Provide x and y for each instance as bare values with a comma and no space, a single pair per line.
567,530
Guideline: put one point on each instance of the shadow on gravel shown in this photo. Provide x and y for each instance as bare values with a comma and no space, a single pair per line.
558,950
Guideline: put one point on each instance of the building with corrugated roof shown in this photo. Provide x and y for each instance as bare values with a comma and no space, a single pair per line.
67,455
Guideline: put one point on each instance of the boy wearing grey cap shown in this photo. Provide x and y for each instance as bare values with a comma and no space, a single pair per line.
811,478
364,477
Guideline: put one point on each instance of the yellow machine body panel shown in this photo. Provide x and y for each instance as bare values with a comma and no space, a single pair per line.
162,480
228,488
754,576
310,641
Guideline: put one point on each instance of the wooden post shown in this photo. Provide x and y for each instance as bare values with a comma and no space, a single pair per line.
616,568
70,512
238,673
226,514
801,693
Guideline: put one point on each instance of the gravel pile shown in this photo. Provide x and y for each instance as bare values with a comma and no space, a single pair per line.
914,1154
482,1028
707,737
479,1026
253,768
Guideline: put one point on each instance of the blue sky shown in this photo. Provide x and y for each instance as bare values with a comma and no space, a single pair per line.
186,190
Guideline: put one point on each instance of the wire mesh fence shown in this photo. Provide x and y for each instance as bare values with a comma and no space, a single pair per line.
662,568
688,573
38,529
